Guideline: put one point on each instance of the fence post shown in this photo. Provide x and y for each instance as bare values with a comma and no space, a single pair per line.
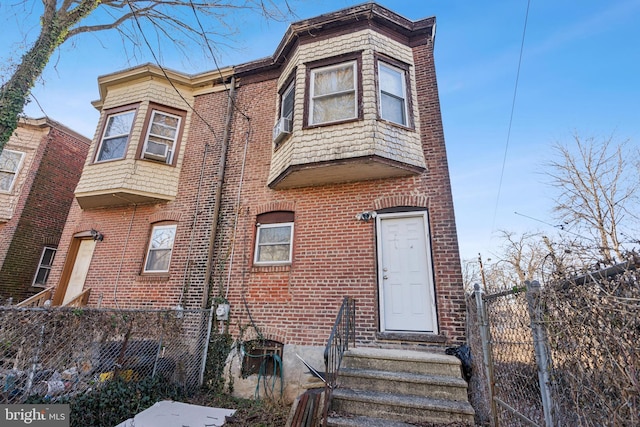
36,361
540,343
205,351
485,337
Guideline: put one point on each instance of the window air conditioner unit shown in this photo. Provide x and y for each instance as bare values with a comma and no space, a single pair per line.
156,151
281,129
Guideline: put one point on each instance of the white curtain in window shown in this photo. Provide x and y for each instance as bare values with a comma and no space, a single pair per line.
334,94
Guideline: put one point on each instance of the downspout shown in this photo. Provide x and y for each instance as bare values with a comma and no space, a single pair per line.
219,181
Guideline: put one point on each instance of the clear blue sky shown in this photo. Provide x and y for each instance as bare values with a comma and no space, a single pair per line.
580,73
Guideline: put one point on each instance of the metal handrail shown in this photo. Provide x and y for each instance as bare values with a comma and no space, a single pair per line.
343,332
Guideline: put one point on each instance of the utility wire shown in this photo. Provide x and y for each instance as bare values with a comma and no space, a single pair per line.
513,105
215,60
155,58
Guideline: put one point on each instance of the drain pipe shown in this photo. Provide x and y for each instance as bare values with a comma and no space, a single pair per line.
219,181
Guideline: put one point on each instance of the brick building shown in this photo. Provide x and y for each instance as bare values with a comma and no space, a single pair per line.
280,185
39,168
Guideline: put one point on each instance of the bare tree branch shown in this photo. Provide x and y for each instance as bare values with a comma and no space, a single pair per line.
597,184
169,20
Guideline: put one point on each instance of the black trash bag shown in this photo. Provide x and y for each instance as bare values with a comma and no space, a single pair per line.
462,352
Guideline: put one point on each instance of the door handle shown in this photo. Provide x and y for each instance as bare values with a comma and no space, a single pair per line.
385,277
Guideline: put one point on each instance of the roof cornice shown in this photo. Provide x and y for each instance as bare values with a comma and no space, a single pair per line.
194,82
414,31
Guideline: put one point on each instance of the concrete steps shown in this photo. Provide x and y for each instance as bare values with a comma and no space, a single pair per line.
396,388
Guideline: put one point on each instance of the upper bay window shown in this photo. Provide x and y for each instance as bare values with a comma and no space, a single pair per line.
115,136
393,99
392,94
162,134
286,102
334,93
10,162
284,124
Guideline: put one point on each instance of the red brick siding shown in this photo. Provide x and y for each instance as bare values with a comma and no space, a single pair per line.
42,210
334,255
114,274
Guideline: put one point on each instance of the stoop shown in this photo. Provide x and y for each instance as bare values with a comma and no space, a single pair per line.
382,387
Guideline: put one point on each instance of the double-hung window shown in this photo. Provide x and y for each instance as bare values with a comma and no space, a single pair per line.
44,267
160,248
285,121
393,94
333,93
115,136
274,238
162,134
286,102
10,162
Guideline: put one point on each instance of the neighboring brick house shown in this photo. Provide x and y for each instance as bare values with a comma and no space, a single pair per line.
39,167
281,185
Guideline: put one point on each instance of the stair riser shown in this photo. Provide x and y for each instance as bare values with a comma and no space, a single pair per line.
400,413
437,391
411,366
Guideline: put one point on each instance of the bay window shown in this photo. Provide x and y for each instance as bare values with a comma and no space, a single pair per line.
333,93
392,93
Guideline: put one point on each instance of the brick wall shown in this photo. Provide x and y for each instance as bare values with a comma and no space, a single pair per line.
334,255
52,173
115,275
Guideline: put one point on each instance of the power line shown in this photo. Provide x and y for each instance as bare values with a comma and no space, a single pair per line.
155,58
513,105
215,60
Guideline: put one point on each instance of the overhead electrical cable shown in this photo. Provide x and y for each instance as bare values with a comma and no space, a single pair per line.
513,105
155,58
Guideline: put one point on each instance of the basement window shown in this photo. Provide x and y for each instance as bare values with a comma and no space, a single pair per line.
262,357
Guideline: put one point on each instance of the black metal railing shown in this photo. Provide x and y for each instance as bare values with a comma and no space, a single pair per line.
343,332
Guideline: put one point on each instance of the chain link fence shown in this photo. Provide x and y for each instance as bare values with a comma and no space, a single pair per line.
62,352
593,329
564,354
512,391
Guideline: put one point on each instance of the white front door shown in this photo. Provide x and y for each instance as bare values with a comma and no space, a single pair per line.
80,269
407,301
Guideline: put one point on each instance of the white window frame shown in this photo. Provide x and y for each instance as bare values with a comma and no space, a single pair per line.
149,247
258,245
171,147
104,131
403,80
42,266
313,97
14,172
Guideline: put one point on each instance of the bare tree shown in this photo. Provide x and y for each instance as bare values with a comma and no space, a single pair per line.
61,20
597,182
519,257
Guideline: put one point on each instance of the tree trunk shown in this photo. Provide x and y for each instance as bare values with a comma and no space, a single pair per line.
14,93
